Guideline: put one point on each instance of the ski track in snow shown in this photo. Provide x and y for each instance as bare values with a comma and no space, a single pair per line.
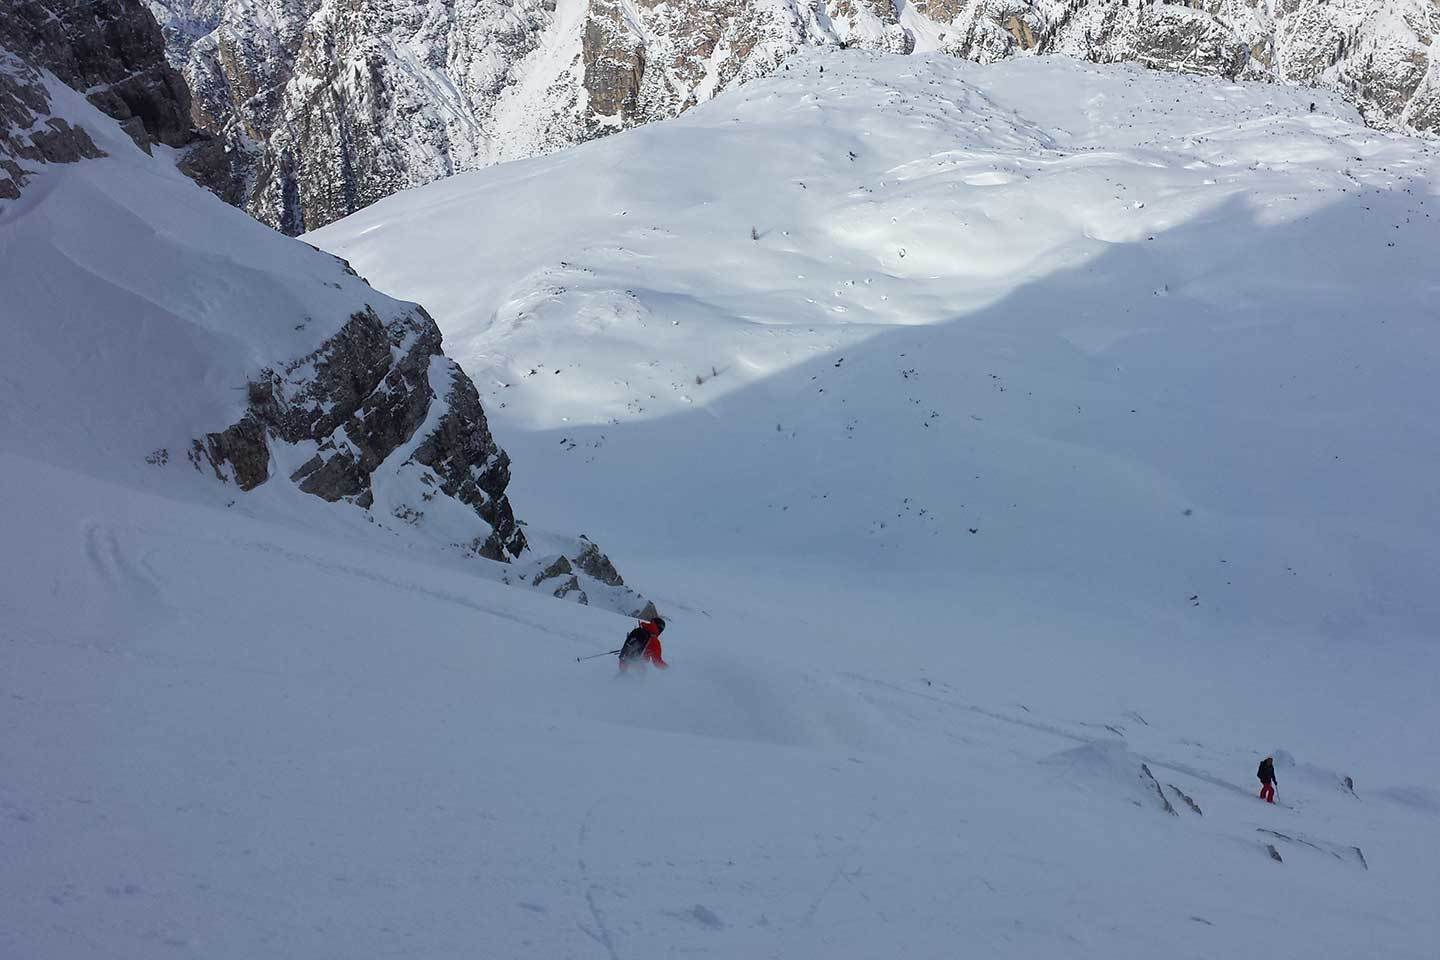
603,936
120,574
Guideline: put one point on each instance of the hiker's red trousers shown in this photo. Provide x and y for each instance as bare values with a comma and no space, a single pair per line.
1267,792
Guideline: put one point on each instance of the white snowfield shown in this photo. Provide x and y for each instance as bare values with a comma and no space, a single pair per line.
1064,444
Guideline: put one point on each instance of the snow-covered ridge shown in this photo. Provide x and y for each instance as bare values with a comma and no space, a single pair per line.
158,328
333,105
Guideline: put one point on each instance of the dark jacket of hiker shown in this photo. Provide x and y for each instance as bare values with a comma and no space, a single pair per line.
1266,773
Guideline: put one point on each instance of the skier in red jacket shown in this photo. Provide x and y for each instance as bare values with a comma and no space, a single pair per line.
642,645
1266,774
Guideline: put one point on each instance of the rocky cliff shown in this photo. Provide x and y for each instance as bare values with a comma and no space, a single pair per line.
109,50
113,52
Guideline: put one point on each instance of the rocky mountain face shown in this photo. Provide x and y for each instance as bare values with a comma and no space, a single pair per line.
348,396
332,104
1379,53
113,53
110,51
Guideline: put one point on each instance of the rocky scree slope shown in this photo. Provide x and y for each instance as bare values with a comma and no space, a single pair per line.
333,104
181,324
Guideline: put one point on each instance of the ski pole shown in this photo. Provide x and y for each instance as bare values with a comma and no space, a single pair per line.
593,656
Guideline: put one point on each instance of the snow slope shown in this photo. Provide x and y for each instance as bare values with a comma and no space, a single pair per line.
1070,384
248,730
1150,338
228,739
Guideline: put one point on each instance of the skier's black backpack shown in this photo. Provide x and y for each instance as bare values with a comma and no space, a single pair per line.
635,643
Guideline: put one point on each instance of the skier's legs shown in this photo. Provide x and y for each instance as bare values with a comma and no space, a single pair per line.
1267,792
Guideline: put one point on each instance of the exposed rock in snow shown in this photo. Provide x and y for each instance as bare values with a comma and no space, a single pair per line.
580,571
27,133
360,398
1109,770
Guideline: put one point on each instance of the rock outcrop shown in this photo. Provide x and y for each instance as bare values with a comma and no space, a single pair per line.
113,52
582,573
379,390
613,53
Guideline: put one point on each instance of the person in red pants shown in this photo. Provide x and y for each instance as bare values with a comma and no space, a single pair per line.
1266,773
642,646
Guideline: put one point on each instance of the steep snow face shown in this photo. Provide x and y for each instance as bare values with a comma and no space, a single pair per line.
337,103
1034,350
156,329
